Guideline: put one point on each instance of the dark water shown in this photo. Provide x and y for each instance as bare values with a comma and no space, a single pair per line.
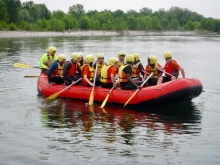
64,131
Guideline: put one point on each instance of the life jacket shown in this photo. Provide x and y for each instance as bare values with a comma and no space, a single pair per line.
73,69
105,76
100,67
169,70
58,70
121,74
153,70
136,71
91,72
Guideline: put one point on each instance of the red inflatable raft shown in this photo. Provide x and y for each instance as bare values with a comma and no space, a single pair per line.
183,89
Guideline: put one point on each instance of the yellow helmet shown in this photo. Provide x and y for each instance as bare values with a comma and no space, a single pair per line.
130,58
61,57
75,55
81,54
153,59
136,56
89,58
112,60
100,56
51,49
121,54
168,54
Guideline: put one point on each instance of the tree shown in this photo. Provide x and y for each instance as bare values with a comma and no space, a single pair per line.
118,13
76,10
156,23
164,23
145,11
85,22
132,23
3,11
23,15
120,24
56,25
70,22
13,7
58,14
144,23
174,24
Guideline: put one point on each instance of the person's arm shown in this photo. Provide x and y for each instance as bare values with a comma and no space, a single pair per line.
182,71
66,69
85,73
141,68
42,60
50,71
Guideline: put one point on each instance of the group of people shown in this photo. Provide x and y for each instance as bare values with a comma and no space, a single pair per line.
126,71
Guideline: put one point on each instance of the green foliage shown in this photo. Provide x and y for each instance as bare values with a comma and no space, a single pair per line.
174,24
24,26
31,16
3,11
12,26
132,22
85,23
43,25
156,23
3,25
56,25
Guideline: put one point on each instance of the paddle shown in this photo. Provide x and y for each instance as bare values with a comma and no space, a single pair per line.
91,97
19,65
137,90
104,102
53,96
165,72
35,76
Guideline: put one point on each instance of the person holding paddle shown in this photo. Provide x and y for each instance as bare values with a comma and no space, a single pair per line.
152,67
47,59
88,72
55,71
171,68
125,75
70,69
108,73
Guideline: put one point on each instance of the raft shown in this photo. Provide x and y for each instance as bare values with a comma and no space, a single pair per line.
182,89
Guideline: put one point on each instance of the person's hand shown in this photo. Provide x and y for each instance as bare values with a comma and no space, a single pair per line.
73,82
138,87
91,84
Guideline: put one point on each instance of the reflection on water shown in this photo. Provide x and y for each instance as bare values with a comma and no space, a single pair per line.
78,123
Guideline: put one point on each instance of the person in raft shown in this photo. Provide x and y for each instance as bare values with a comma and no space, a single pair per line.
88,72
55,71
70,69
108,73
152,67
100,62
138,69
47,59
171,68
125,75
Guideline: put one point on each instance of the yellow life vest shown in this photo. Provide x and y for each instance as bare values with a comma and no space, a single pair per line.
58,71
135,70
100,67
154,70
105,77
121,74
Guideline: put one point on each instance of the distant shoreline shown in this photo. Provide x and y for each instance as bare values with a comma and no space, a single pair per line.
17,34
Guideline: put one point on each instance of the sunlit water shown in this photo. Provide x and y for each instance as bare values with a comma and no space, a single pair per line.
65,131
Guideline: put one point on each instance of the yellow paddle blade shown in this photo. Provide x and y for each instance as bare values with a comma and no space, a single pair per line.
131,97
53,96
104,102
35,76
19,65
91,98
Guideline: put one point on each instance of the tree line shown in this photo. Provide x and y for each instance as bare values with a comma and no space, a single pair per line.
15,15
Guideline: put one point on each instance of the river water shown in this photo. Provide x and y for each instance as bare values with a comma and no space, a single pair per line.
65,131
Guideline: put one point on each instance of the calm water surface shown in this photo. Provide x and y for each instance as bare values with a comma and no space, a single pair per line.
36,131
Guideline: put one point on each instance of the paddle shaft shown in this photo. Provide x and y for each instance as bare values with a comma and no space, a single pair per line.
70,85
91,98
137,90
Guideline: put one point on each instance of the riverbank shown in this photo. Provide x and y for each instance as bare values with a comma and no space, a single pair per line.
16,34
